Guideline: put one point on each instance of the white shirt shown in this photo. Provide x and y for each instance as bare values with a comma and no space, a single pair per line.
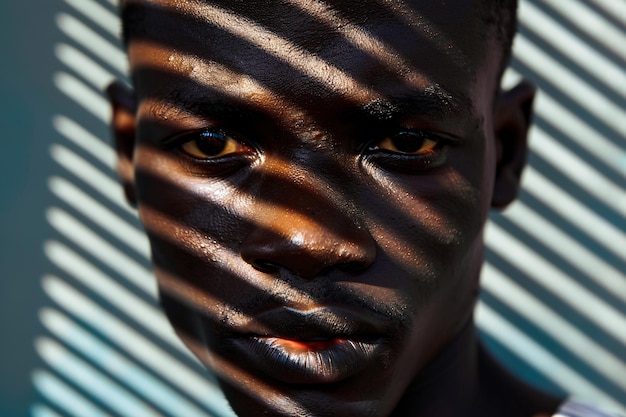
577,408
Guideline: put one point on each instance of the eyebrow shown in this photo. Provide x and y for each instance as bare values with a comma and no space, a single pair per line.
438,106
434,102
204,107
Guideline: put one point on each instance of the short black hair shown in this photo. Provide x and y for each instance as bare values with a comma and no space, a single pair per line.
499,17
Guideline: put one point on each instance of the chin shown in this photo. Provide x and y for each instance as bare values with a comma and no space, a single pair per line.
307,402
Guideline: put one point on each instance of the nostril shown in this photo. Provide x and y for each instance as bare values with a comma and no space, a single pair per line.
308,249
353,266
264,266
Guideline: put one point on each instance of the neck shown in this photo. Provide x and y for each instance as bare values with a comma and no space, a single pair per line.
452,374
465,381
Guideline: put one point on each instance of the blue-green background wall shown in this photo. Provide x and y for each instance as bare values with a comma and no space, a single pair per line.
554,303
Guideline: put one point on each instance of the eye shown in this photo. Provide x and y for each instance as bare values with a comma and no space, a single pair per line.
406,143
213,144
409,151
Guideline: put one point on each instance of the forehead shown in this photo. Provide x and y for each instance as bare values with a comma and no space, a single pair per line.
363,50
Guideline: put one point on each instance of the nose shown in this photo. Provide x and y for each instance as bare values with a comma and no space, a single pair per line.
305,233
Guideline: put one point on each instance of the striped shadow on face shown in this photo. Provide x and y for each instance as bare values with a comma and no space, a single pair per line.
553,306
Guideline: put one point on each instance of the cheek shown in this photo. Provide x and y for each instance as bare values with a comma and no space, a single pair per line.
427,222
194,231
429,230
186,208
438,249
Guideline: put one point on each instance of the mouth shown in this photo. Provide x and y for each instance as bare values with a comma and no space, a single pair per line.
319,347
308,361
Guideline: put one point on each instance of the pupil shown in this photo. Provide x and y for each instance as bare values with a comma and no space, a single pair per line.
211,143
408,142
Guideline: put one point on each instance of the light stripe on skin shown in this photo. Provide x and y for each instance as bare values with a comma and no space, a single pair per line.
229,261
288,52
240,87
396,247
237,377
423,28
362,40
314,184
144,54
199,299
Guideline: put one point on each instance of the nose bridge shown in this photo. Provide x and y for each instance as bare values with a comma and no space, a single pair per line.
303,224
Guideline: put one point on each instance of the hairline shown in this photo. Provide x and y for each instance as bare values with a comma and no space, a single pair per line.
499,16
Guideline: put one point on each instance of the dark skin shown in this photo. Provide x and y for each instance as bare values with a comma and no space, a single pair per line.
315,197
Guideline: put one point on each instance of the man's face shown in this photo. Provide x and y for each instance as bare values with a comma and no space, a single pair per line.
314,179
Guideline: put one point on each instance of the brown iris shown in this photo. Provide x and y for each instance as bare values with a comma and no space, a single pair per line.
213,144
412,143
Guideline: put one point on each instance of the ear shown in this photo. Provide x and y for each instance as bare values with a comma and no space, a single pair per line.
512,119
123,122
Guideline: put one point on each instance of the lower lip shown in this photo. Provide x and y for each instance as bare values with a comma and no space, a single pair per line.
309,362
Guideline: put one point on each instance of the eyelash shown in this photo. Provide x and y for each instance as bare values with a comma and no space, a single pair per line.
216,165
374,152
415,140
433,157
181,139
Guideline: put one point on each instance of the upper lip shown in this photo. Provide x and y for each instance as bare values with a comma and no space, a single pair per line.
315,324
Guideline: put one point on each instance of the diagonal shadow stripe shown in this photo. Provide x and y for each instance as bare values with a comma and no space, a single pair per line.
70,401
187,380
595,228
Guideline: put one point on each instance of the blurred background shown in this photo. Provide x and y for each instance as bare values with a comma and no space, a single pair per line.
82,334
